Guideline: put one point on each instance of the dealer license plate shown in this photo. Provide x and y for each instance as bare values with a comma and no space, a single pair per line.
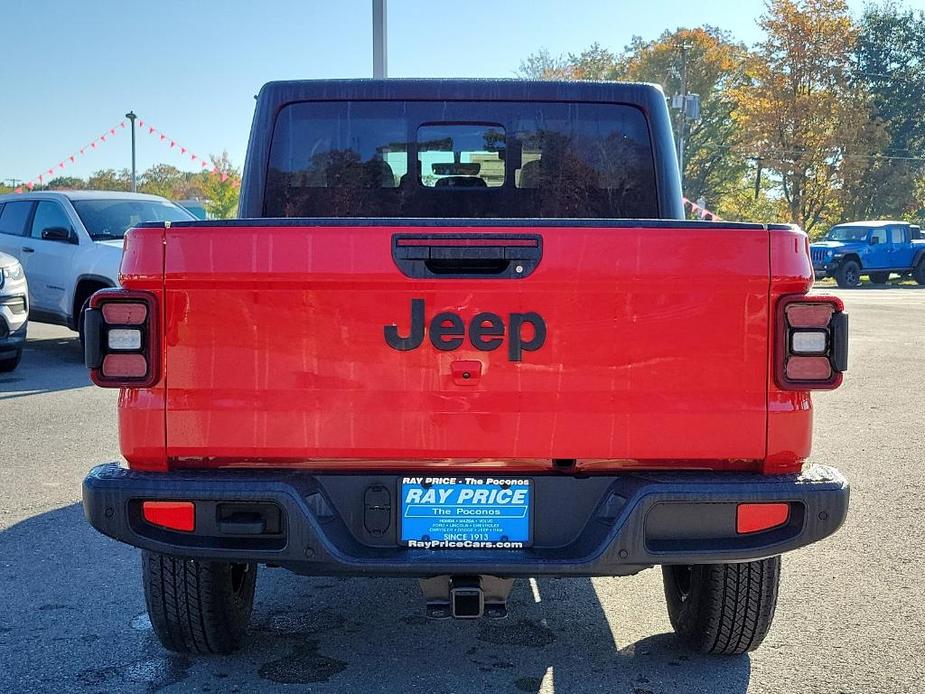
465,512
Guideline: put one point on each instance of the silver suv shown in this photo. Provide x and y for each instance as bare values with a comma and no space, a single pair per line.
14,310
70,244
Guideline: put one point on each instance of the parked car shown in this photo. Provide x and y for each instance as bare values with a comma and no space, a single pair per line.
14,311
195,207
70,244
875,249
552,374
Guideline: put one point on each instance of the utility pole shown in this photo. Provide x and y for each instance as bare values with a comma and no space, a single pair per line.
14,182
131,116
683,114
380,34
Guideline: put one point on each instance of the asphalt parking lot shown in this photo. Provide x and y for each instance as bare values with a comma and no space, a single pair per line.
851,617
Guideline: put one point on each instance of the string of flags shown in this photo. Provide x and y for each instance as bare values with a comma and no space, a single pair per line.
700,211
54,171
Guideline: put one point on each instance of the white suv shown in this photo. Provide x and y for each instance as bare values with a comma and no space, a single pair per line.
14,311
70,244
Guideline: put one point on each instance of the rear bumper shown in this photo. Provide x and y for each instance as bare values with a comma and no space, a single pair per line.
583,526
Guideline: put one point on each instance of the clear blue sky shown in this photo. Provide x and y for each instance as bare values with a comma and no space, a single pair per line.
71,69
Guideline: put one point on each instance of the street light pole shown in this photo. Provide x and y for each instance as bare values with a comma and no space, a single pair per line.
131,116
380,49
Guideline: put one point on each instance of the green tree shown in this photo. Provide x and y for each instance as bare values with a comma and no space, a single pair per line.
110,179
66,183
890,64
162,179
221,187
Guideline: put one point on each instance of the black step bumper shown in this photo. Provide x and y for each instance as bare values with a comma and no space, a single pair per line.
583,525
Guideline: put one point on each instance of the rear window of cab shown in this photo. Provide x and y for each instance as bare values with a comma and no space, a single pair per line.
461,159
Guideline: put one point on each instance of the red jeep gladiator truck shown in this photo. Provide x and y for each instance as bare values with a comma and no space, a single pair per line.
462,332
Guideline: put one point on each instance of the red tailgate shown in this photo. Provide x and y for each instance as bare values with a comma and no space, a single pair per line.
276,351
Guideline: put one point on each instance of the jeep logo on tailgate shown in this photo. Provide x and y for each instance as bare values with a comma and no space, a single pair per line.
486,332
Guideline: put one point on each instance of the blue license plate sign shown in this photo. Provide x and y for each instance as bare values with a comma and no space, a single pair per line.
465,512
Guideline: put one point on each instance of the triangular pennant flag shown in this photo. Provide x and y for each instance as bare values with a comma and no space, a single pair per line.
18,190
93,145
30,185
141,124
112,130
60,164
193,157
122,124
51,171
71,158
150,131
41,179
163,137
102,138
172,143
183,150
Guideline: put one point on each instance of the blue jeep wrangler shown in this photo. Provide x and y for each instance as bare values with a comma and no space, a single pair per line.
875,249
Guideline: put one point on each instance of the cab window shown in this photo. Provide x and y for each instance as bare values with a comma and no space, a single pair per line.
13,217
47,215
897,235
878,235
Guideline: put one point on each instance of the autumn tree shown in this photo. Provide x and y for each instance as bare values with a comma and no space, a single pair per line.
714,62
714,67
801,114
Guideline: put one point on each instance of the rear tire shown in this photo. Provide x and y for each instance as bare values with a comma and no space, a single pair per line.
80,321
919,273
722,609
10,363
848,274
879,277
198,606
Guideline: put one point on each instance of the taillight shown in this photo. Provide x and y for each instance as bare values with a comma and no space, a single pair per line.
121,340
812,342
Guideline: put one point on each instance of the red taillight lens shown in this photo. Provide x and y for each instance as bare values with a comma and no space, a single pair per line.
812,343
175,515
753,518
805,315
125,366
808,368
121,339
124,313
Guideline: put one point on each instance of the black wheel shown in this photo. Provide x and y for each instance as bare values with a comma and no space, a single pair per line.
848,274
10,363
198,606
879,277
722,609
919,273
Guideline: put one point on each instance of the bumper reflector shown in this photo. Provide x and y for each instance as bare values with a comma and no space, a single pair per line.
753,518
175,515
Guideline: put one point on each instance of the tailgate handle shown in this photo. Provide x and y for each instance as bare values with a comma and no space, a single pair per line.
485,256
